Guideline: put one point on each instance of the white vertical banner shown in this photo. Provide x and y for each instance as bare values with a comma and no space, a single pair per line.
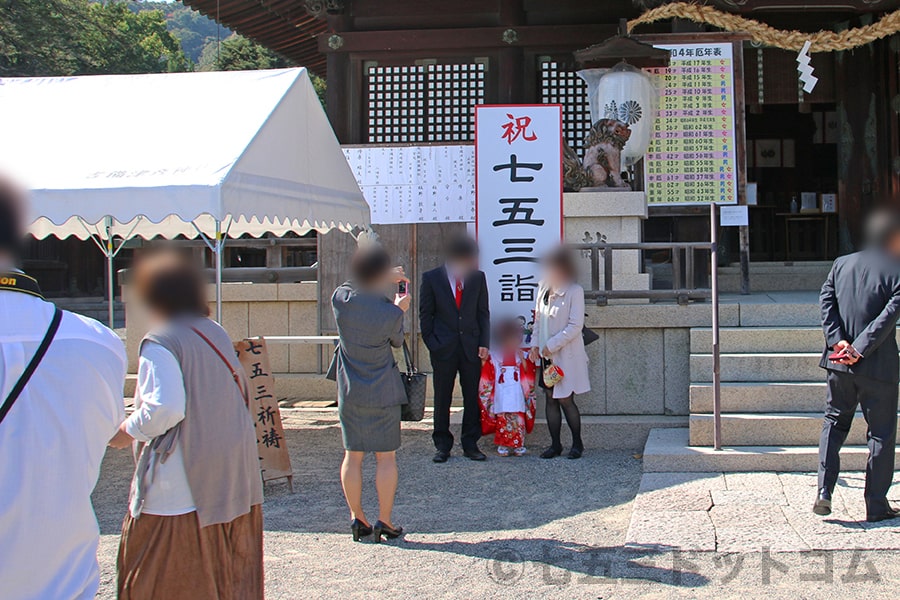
518,199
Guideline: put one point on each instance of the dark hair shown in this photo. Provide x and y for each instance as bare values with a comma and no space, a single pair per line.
171,285
881,227
369,264
561,258
506,329
12,206
462,247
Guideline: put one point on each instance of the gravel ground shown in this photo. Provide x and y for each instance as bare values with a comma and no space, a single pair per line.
506,528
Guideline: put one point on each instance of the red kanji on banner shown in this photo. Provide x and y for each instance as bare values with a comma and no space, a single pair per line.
517,126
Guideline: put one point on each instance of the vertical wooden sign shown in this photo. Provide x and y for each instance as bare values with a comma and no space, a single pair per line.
274,460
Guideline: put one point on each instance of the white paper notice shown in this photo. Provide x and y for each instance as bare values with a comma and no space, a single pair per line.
734,216
416,184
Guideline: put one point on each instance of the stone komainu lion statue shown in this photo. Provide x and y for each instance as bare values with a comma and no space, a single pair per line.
602,164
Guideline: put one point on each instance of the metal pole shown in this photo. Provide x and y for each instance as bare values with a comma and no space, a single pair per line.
220,243
714,277
110,288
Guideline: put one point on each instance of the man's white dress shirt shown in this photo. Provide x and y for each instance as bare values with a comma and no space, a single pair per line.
51,445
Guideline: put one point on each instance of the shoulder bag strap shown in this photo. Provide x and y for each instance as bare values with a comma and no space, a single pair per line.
234,373
410,367
33,365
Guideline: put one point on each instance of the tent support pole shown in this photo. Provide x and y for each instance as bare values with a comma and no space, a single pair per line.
107,246
110,288
217,245
220,243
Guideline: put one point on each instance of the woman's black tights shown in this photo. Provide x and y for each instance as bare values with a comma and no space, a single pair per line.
555,408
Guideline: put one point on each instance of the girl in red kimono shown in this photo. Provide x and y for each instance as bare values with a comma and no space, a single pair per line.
506,390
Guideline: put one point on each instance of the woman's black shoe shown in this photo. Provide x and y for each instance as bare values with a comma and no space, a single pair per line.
551,452
360,529
390,533
575,452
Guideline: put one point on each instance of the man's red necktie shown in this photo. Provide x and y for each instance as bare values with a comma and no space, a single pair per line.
458,293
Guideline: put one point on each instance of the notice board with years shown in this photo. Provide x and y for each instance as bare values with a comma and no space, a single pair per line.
416,184
693,151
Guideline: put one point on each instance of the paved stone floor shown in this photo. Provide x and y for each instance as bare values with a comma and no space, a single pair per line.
745,512
527,528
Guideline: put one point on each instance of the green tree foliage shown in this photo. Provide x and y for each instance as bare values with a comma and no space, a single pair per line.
237,53
193,29
76,37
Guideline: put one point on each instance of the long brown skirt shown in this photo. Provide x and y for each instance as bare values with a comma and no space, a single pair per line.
173,558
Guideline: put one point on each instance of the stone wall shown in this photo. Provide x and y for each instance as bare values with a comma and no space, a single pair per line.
641,363
250,310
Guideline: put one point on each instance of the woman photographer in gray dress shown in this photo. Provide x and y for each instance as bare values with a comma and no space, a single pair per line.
370,391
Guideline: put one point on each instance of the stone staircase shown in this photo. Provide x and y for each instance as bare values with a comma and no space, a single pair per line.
773,390
773,396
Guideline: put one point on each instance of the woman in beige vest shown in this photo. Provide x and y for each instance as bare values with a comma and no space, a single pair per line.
558,321
194,525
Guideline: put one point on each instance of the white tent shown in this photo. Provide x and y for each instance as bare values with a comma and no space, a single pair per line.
211,154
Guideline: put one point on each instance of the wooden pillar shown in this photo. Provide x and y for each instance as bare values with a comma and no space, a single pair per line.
740,127
338,95
511,63
275,256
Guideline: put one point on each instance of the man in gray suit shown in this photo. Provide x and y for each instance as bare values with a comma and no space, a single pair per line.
860,303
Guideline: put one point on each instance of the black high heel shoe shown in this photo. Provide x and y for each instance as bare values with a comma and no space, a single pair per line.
360,529
391,533
551,452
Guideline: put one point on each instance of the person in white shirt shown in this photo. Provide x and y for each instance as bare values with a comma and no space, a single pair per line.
54,435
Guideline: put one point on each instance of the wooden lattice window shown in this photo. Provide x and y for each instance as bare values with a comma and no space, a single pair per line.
424,102
453,92
560,85
396,103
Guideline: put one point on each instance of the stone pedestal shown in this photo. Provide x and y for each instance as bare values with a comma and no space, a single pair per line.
611,217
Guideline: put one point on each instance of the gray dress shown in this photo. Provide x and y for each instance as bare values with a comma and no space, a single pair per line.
370,391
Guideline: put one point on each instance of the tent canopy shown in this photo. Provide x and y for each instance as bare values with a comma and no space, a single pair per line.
148,155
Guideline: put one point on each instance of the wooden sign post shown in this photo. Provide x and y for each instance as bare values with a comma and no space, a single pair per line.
274,460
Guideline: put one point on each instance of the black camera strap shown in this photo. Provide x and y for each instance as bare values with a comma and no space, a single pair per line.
20,282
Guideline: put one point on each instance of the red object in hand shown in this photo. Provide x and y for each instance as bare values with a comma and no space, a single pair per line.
843,354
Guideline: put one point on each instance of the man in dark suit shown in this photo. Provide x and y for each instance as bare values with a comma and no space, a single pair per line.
860,303
455,322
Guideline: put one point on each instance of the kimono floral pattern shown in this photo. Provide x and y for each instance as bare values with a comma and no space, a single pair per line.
509,429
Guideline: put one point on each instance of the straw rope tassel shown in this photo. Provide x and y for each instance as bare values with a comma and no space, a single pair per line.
822,41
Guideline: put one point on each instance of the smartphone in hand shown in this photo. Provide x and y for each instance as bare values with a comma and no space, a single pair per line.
402,288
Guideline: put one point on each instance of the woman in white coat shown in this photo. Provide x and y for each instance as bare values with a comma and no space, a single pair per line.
558,321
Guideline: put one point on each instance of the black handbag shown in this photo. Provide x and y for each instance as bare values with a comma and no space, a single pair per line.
589,336
414,383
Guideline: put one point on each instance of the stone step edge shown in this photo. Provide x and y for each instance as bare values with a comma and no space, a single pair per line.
759,397
738,384
667,451
724,355
818,415
760,429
